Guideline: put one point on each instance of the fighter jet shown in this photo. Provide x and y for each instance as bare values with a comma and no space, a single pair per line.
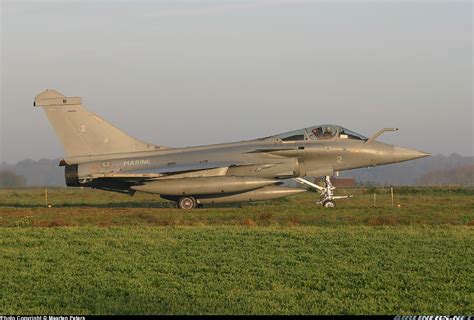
101,156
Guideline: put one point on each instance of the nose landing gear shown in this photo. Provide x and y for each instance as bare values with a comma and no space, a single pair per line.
327,192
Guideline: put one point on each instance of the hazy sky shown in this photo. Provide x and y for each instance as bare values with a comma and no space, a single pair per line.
181,73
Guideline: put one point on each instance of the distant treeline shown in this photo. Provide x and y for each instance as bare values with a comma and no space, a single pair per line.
43,172
462,175
435,170
9,179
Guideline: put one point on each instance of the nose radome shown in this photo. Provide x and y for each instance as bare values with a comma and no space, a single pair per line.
405,154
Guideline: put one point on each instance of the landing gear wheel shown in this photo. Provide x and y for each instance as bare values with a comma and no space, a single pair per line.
329,204
187,203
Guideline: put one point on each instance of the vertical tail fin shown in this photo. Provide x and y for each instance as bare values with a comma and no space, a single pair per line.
83,133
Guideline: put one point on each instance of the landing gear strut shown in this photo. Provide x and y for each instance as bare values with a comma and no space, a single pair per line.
327,192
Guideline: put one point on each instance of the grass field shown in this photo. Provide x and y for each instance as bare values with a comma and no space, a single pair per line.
102,253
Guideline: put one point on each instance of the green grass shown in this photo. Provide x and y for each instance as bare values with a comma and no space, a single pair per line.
237,270
80,207
105,253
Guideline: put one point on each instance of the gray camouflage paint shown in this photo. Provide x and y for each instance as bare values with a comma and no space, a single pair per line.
104,157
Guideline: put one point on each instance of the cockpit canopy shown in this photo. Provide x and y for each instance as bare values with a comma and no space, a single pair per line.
322,132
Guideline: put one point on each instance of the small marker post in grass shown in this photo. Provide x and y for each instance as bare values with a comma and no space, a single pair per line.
391,193
48,205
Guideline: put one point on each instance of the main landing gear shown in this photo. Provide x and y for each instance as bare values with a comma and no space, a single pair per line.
188,202
327,192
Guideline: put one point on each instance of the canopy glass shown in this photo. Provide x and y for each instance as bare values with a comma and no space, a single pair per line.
321,132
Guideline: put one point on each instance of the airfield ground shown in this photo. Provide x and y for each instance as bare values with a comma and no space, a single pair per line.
95,252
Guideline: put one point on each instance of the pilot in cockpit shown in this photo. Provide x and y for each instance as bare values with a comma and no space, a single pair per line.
328,133
323,132
318,132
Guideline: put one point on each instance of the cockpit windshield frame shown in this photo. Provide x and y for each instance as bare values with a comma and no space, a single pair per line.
345,133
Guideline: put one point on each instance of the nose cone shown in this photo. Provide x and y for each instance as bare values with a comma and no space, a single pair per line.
405,154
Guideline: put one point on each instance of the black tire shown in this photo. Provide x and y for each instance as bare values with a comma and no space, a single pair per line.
329,204
186,203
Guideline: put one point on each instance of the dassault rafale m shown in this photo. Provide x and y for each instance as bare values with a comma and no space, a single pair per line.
101,156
